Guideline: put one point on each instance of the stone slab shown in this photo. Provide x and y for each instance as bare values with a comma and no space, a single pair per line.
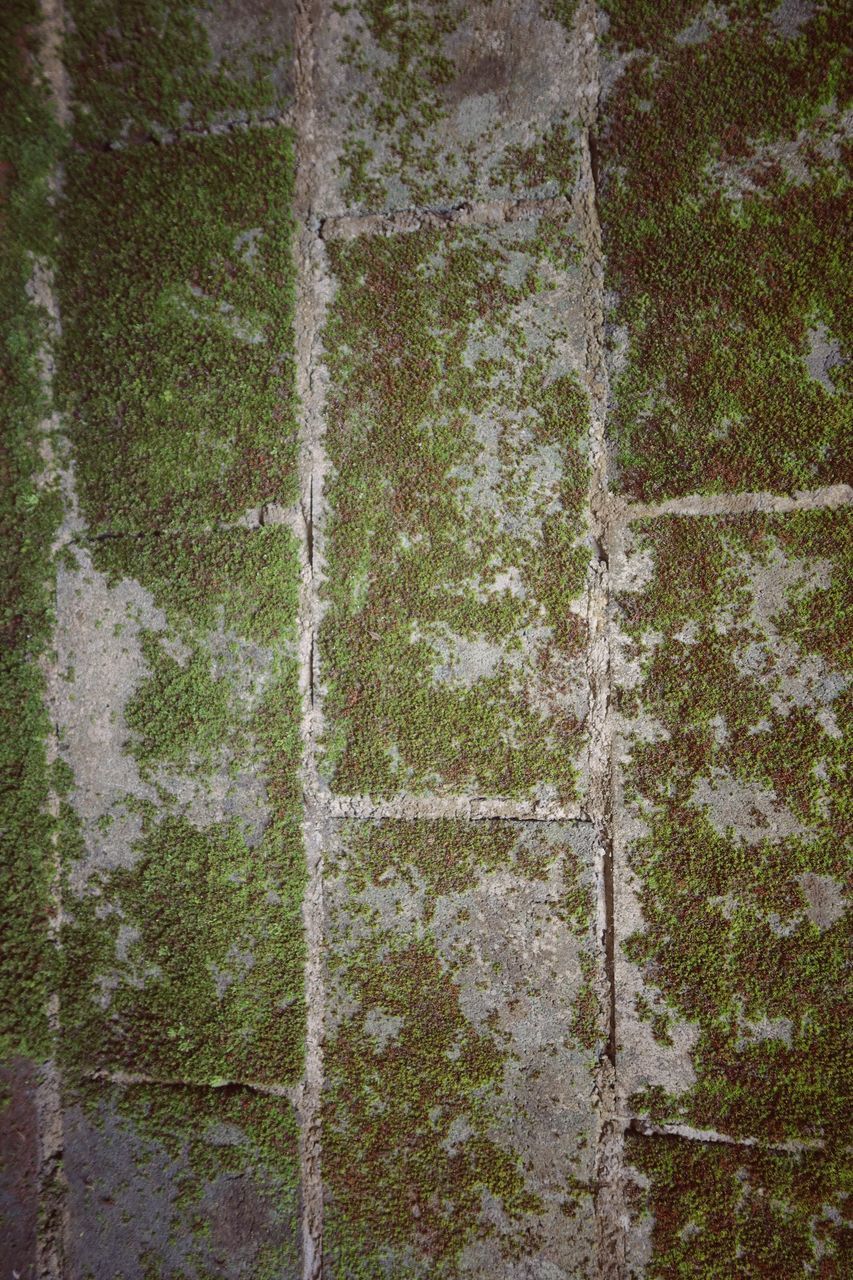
146,70
178,709
182,1183
177,369
452,643
462,1032
725,206
732,877
433,102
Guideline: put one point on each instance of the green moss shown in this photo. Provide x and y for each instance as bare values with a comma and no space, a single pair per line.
184,957
724,253
719,1210
177,355
29,513
144,69
200,940
750,697
441,488
209,1177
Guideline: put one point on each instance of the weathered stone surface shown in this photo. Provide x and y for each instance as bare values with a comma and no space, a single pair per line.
732,878
436,101
462,1034
19,1154
181,1183
707,1209
177,305
178,711
725,210
452,645
147,69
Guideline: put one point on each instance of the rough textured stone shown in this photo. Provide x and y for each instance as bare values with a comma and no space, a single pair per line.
178,710
732,880
452,645
147,69
706,1209
462,1033
436,101
182,1183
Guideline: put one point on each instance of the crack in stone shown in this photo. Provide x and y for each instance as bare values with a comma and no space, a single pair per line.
482,213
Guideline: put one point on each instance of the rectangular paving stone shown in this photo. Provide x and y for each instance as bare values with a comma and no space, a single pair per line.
19,1161
452,644
436,101
462,1032
177,372
707,1209
178,709
29,512
725,207
147,69
732,876
180,1183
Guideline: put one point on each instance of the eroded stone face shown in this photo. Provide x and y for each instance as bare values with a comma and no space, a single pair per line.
19,1160
180,1182
724,188
429,103
146,70
452,645
462,1033
732,879
178,712
710,1209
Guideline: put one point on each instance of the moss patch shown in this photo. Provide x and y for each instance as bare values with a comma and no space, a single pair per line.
738,733
183,946
29,513
455,426
724,210
177,355
715,1210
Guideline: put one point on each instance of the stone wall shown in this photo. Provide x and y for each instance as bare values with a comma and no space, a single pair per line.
426,639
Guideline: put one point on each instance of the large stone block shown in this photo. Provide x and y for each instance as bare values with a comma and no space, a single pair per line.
462,1035
182,1183
178,710
732,877
437,101
452,642
725,211
176,370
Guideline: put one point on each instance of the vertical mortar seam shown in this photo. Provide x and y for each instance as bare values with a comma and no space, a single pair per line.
309,309
52,1226
609,1212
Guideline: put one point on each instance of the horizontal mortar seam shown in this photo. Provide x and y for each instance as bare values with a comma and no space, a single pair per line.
169,137
647,1129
